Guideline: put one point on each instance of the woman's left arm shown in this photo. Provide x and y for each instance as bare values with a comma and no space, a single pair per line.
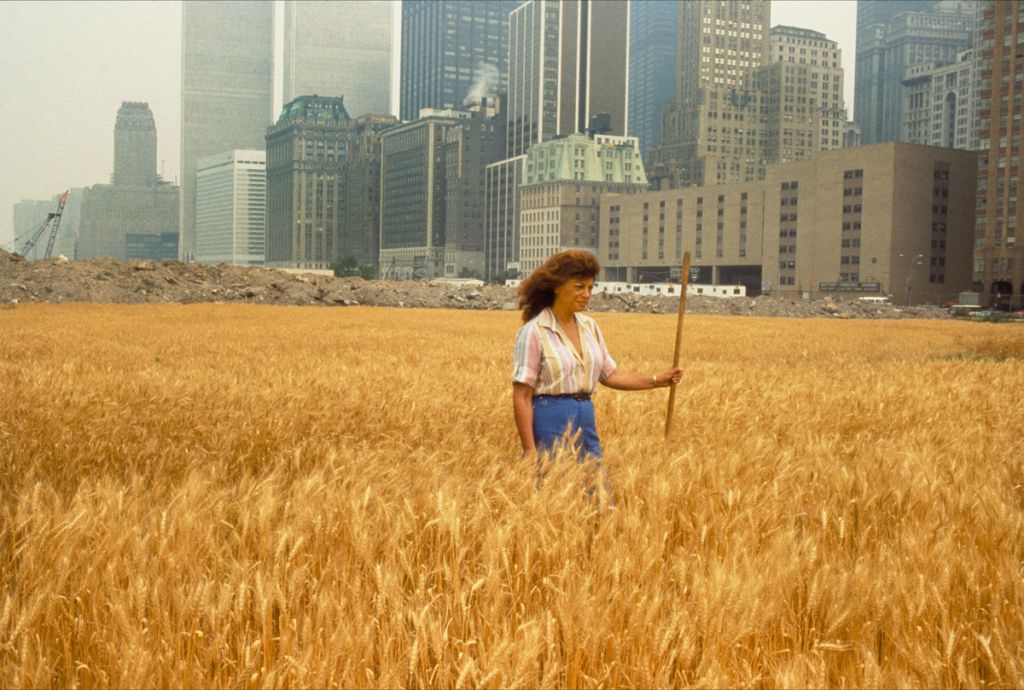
631,381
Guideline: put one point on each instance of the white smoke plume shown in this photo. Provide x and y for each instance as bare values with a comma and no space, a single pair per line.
484,81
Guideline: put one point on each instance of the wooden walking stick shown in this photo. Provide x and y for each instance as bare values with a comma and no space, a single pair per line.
684,281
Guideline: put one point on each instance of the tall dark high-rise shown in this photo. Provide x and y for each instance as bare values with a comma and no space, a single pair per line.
652,67
227,95
567,63
998,256
134,146
892,37
452,50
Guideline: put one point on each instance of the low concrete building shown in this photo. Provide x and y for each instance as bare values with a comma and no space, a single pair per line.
129,222
720,225
889,219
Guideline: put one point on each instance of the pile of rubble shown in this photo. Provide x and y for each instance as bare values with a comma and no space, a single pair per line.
132,282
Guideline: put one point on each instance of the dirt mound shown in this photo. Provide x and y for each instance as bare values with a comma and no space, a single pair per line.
134,282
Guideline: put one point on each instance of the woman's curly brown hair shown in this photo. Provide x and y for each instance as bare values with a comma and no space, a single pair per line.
537,292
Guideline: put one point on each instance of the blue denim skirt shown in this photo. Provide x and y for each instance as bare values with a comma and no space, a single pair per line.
555,418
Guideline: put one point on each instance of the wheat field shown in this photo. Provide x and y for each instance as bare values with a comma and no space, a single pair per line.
245,496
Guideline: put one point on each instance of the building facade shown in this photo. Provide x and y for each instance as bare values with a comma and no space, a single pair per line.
501,218
359,235
562,183
568,72
137,215
412,197
432,186
567,62
806,112
652,67
891,219
306,153
129,222
749,97
714,133
231,208
873,16
720,225
892,38
468,149
940,105
453,52
339,49
998,270
227,79
134,146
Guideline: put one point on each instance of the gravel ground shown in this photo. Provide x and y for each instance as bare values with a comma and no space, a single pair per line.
135,282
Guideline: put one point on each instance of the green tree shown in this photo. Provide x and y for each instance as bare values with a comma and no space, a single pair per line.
345,266
502,276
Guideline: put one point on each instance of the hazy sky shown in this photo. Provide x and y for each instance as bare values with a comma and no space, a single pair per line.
65,67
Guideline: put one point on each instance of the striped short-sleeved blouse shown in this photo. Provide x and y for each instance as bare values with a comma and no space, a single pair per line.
546,360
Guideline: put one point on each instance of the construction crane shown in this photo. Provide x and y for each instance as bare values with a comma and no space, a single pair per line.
53,222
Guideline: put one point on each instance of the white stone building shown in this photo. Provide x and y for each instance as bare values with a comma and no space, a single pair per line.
231,208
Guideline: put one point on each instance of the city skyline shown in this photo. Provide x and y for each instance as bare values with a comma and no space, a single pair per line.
50,55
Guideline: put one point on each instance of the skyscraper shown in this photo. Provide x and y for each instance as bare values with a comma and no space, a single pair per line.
713,134
998,257
802,95
872,18
306,153
652,67
339,49
567,63
893,37
451,50
227,77
134,146
231,208
136,216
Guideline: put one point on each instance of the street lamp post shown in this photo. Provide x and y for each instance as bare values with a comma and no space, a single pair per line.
911,262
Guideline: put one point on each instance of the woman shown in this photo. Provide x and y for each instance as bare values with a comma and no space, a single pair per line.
560,357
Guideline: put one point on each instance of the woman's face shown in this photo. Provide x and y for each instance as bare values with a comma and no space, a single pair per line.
574,294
